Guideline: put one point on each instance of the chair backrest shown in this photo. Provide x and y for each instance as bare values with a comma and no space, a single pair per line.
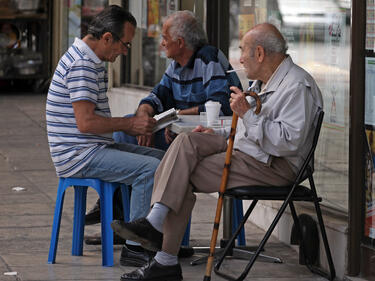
305,170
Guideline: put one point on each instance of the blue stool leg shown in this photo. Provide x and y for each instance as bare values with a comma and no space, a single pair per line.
237,217
106,216
56,222
185,240
80,193
125,201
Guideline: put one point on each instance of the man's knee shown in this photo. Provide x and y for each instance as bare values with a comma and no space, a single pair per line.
196,139
187,136
182,135
152,164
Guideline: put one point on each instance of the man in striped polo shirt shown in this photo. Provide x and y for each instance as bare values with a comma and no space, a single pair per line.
79,122
196,74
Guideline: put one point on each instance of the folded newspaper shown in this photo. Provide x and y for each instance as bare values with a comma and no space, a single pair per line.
164,119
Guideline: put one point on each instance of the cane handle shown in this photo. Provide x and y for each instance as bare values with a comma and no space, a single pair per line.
257,100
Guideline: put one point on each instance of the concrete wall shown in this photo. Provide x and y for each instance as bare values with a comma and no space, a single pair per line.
336,228
125,100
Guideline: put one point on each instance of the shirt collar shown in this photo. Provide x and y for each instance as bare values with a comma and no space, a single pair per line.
190,63
275,78
85,49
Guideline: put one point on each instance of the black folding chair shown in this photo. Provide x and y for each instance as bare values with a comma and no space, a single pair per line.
288,194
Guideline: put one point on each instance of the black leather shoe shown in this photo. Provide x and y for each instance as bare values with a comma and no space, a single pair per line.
140,231
96,239
154,271
135,258
93,215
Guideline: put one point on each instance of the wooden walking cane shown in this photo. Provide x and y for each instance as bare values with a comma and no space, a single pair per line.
223,185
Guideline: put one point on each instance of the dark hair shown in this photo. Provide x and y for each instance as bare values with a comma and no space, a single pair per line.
111,19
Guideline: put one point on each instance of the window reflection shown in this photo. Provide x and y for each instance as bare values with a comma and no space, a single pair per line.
80,13
318,35
147,62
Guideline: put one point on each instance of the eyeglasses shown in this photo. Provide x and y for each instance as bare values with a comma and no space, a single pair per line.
127,45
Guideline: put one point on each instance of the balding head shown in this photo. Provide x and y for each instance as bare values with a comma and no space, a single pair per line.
269,37
263,48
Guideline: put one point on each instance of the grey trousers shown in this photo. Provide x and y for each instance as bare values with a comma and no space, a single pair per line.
194,163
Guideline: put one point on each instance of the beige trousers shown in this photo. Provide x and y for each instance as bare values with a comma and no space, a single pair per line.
197,159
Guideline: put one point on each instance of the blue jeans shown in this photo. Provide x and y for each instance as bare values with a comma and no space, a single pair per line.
129,164
159,139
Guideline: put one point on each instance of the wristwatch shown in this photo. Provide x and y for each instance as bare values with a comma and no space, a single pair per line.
178,111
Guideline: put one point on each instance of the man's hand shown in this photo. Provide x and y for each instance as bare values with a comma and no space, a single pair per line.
145,110
202,129
238,102
141,125
169,135
145,140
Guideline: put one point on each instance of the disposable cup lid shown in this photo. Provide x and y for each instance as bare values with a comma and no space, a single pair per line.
212,103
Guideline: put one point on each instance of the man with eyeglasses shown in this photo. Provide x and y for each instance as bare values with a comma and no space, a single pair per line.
196,74
127,45
79,122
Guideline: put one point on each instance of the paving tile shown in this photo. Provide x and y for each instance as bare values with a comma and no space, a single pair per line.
26,217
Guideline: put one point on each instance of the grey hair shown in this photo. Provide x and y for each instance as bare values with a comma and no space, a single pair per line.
184,24
271,42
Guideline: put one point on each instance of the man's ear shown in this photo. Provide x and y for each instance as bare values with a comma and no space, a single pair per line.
260,53
107,37
181,42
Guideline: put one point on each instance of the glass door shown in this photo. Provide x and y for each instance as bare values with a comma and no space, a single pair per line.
368,239
318,37
80,13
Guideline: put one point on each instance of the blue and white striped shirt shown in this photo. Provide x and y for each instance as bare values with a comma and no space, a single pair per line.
79,75
203,78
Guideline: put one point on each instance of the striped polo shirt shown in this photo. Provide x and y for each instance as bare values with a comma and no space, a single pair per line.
203,78
80,75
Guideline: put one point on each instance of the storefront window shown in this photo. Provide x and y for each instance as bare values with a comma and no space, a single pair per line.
80,13
147,61
318,36
369,205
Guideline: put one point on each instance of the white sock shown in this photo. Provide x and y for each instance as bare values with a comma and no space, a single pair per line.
157,216
130,242
166,259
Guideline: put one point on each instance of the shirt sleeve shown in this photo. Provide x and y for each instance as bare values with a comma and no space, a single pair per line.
216,87
287,132
161,97
82,81
225,131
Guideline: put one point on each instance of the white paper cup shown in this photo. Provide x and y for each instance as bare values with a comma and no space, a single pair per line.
213,111
203,116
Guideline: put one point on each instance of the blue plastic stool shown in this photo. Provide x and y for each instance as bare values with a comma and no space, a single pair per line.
237,215
185,240
105,191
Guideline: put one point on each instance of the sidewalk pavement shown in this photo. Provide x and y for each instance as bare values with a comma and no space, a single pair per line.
26,216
